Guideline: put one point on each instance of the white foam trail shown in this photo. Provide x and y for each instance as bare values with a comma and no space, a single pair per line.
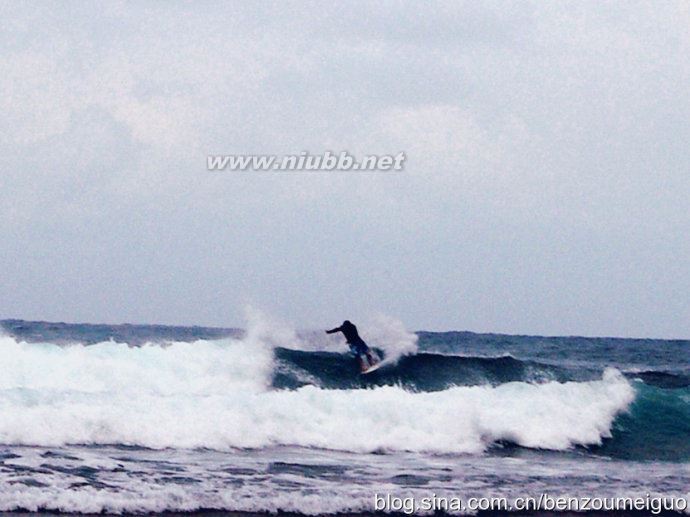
217,395
390,335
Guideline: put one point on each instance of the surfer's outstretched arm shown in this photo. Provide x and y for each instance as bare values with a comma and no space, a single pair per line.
333,331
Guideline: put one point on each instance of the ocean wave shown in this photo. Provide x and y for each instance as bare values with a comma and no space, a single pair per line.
661,379
655,427
419,372
219,395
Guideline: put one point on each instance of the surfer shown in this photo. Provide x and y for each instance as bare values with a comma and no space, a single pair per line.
357,345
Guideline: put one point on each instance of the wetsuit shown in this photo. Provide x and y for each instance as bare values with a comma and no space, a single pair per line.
357,344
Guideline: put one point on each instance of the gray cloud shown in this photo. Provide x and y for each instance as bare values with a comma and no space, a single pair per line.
545,190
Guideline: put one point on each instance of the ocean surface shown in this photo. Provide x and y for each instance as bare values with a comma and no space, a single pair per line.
139,418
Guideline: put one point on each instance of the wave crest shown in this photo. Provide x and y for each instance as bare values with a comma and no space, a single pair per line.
217,394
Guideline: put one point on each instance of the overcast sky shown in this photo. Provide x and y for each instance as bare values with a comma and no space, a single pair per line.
546,188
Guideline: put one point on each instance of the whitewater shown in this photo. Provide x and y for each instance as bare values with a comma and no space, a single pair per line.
218,395
149,419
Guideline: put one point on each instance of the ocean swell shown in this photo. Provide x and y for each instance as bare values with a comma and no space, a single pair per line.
218,395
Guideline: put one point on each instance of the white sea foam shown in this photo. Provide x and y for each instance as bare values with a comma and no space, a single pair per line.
145,481
390,335
156,498
217,394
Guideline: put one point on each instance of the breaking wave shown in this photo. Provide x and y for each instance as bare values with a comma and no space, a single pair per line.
223,395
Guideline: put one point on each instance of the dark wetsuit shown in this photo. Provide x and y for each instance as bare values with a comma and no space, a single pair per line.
357,344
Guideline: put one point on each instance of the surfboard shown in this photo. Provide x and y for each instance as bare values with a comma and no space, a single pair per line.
373,367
